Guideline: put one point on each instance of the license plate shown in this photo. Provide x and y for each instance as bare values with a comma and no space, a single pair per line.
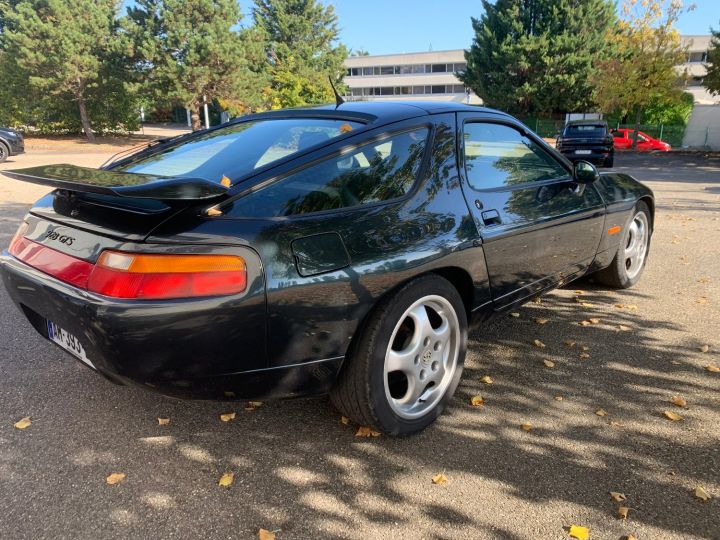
68,342
584,152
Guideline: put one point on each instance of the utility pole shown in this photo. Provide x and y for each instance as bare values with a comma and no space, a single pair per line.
207,117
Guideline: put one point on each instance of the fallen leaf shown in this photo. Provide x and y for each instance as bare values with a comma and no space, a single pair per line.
585,348
585,323
366,431
712,368
477,401
537,300
226,417
255,404
675,417
620,306
226,479
594,321
439,479
264,534
539,344
541,321
569,343
632,307
702,300
163,421
629,537
23,423
678,401
584,355
558,398
515,314
623,328
527,426
614,423
623,512
601,412
581,533
549,363
487,379
115,478
586,304
617,496
344,420
701,494
579,293
704,348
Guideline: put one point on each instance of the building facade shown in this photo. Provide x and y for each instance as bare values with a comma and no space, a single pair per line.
433,75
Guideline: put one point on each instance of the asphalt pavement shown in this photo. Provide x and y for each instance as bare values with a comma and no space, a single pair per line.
300,472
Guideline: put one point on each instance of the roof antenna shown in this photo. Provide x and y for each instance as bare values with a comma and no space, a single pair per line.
338,98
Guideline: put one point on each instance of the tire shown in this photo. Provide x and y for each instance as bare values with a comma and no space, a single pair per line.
625,271
429,352
609,162
4,152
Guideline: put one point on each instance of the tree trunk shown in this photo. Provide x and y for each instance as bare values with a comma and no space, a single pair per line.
84,120
195,116
638,118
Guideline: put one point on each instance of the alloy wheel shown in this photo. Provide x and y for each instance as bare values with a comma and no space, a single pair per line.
636,245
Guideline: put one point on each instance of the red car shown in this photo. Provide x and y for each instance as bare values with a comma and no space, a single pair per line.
623,139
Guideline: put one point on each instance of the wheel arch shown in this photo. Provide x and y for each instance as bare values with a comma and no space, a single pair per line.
650,202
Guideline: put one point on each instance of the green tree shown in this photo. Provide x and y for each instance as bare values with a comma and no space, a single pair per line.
192,51
712,79
535,56
63,46
643,72
303,50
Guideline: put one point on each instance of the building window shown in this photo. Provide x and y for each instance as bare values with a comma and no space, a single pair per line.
437,89
695,57
459,67
418,68
387,70
439,68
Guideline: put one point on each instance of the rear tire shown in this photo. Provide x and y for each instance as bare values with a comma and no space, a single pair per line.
629,262
405,364
609,162
4,152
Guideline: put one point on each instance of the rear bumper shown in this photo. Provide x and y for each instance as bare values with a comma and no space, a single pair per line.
210,348
595,156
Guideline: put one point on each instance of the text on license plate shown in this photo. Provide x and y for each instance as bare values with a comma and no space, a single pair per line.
68,342
583,151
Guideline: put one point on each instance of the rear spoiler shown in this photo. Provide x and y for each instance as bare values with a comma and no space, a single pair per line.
120,184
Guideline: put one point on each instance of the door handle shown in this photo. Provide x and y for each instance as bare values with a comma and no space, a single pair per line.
491,217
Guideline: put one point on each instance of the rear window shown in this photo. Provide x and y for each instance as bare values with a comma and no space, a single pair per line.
585,130
238,149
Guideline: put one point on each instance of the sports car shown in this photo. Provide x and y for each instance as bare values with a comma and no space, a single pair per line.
342,249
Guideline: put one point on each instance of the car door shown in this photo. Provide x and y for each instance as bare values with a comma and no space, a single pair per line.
538,226
620,140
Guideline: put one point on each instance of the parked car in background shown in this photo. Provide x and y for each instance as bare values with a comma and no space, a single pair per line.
623,139
339,249
587,140
11,143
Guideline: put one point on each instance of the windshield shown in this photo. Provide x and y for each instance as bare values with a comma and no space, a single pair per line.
585,130
226,154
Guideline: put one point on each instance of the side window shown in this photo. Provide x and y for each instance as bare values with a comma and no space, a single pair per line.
498,156
378,171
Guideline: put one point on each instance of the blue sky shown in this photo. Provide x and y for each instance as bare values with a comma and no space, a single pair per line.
395,26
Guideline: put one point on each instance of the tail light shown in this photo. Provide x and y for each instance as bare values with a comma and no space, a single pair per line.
137,275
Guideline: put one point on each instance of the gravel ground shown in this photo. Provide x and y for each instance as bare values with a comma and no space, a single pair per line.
299,470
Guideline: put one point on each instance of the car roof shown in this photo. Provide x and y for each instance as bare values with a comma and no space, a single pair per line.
587,123
377,112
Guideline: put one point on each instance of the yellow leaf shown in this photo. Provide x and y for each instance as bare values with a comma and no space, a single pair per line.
569,343
163,421
226,417
581,533
586,304
632,307
584,355
618,497
701,494
487,379
226,479
549,363
477,401
585,323
515,314
677,400
629,537
594,321
365,431
527,426
623,328
579,293
620,306
539,344
704,348
23,423
558,398
265,535
115,478
675,417
601,412
541,321
344,420
712,368
439,479
623,512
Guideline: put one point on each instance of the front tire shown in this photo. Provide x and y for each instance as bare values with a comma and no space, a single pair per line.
4,152
629,261
406,363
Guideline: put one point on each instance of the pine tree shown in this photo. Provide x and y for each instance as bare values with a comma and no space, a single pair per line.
712,79
192,51
535,56
302,48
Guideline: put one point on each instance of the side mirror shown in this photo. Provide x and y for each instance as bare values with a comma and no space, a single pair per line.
585,172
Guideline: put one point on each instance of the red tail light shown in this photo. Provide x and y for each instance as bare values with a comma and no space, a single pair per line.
139,276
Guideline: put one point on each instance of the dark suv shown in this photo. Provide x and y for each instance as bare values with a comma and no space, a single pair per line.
11,143
587,140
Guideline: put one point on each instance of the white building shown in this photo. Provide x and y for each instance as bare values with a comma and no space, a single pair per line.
431,75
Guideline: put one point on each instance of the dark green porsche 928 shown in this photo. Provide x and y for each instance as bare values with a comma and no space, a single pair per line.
339,249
